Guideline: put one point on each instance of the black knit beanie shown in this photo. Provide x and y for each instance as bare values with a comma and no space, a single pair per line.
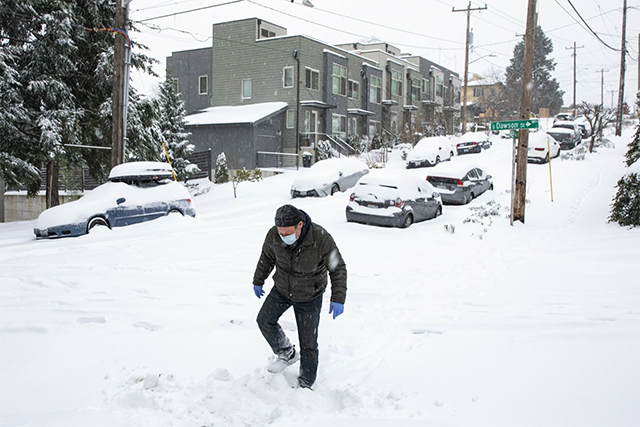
288,216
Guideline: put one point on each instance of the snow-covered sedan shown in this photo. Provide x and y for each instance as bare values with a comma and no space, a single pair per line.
136,192
460,184
430,151
473,142
329,176
393,200
542,148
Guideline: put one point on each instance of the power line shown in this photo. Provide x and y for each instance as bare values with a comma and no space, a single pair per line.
188,11
593,32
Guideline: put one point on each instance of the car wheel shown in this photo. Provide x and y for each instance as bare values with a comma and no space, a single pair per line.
97,221
439,211
450,156
175,211
437,160
334,189
491,187
407,221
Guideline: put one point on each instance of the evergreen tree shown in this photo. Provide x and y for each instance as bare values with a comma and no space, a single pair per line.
171,122
546,91
633,153
222,172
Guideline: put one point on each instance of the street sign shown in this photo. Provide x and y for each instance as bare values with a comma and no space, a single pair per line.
514,133
515,124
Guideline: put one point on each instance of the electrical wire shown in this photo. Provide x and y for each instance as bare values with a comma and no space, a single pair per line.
188,11
591,30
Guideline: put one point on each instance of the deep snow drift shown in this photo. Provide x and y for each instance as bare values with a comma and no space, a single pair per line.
492,325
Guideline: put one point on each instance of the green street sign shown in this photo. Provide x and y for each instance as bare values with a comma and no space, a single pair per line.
515,124
514,133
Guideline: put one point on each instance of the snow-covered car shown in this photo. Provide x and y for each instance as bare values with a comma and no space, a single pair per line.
567,140
473,142
563,117
459,184
393,200
329,176
430,151
542,148
136,192
584,126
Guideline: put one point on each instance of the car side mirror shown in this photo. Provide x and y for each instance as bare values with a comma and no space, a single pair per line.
340,173
121,200
489,177
435,195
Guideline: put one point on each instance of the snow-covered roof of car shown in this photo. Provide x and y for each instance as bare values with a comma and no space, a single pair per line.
387,185
558,130
564,123
539,139
453,169
474,137
140,169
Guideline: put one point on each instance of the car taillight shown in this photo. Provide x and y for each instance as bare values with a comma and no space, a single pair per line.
539,149
399,202
475,143
188,200
459,183
352,196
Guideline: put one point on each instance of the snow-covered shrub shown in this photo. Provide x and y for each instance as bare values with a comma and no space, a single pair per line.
625,209
481,214
221,174
323,150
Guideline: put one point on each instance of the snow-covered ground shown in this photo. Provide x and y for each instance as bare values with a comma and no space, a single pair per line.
493,325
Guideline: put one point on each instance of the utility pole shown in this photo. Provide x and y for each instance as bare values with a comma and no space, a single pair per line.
463,114
623,52
612,91
525,113
574,74
120,94
602,87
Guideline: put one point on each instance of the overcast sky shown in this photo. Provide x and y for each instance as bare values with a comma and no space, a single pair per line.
428,28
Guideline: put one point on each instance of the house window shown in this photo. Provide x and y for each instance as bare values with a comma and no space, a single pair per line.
415,90
425,87
374,128
354,90
311,78
203,85
396,83
339,125
287,77
246,89
478,92
339,80
375,91
291,119
352,126
439,86
264,33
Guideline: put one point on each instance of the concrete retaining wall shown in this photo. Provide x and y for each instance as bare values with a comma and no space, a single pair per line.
19,207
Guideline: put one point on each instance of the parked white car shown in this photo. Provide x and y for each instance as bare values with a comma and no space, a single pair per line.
430,151
327,177
542,148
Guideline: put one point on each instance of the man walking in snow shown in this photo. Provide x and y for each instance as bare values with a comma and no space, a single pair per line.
302,253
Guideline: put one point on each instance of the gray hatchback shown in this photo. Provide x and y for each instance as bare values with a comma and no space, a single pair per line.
458,185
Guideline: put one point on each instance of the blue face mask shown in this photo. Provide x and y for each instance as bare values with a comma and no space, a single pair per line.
290,239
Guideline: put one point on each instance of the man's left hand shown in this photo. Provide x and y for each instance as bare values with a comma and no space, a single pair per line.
336,308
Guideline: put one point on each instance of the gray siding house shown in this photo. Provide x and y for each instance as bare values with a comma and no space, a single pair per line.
329,93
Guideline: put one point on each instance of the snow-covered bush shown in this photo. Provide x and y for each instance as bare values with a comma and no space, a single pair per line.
221,174
323,150
625,209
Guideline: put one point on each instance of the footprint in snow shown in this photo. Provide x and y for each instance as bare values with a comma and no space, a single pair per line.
87,320
146,325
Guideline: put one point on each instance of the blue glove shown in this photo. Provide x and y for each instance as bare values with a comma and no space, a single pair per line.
336,308
258,291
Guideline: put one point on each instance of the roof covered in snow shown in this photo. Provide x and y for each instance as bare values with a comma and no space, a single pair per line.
228,115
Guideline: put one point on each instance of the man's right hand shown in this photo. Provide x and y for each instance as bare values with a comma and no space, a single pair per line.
258,291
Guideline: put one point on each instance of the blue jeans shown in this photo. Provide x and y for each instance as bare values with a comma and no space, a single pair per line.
307,319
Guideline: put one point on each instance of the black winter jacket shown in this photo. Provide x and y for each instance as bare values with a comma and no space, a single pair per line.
301,269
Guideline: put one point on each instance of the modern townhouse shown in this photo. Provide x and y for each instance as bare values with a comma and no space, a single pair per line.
257,92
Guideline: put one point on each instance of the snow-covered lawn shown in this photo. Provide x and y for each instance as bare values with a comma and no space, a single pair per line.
154,324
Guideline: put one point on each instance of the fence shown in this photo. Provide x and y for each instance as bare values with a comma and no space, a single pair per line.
202,159
276,160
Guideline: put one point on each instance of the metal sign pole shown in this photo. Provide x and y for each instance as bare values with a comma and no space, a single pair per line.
513,178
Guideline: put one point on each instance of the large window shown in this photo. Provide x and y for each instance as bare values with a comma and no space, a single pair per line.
287,77
375,91
339,125
311,78
246,89
291,119
203,85
396,83
264,33
415,90
425,88
439,87
352,126
354,89
339,80
478,92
